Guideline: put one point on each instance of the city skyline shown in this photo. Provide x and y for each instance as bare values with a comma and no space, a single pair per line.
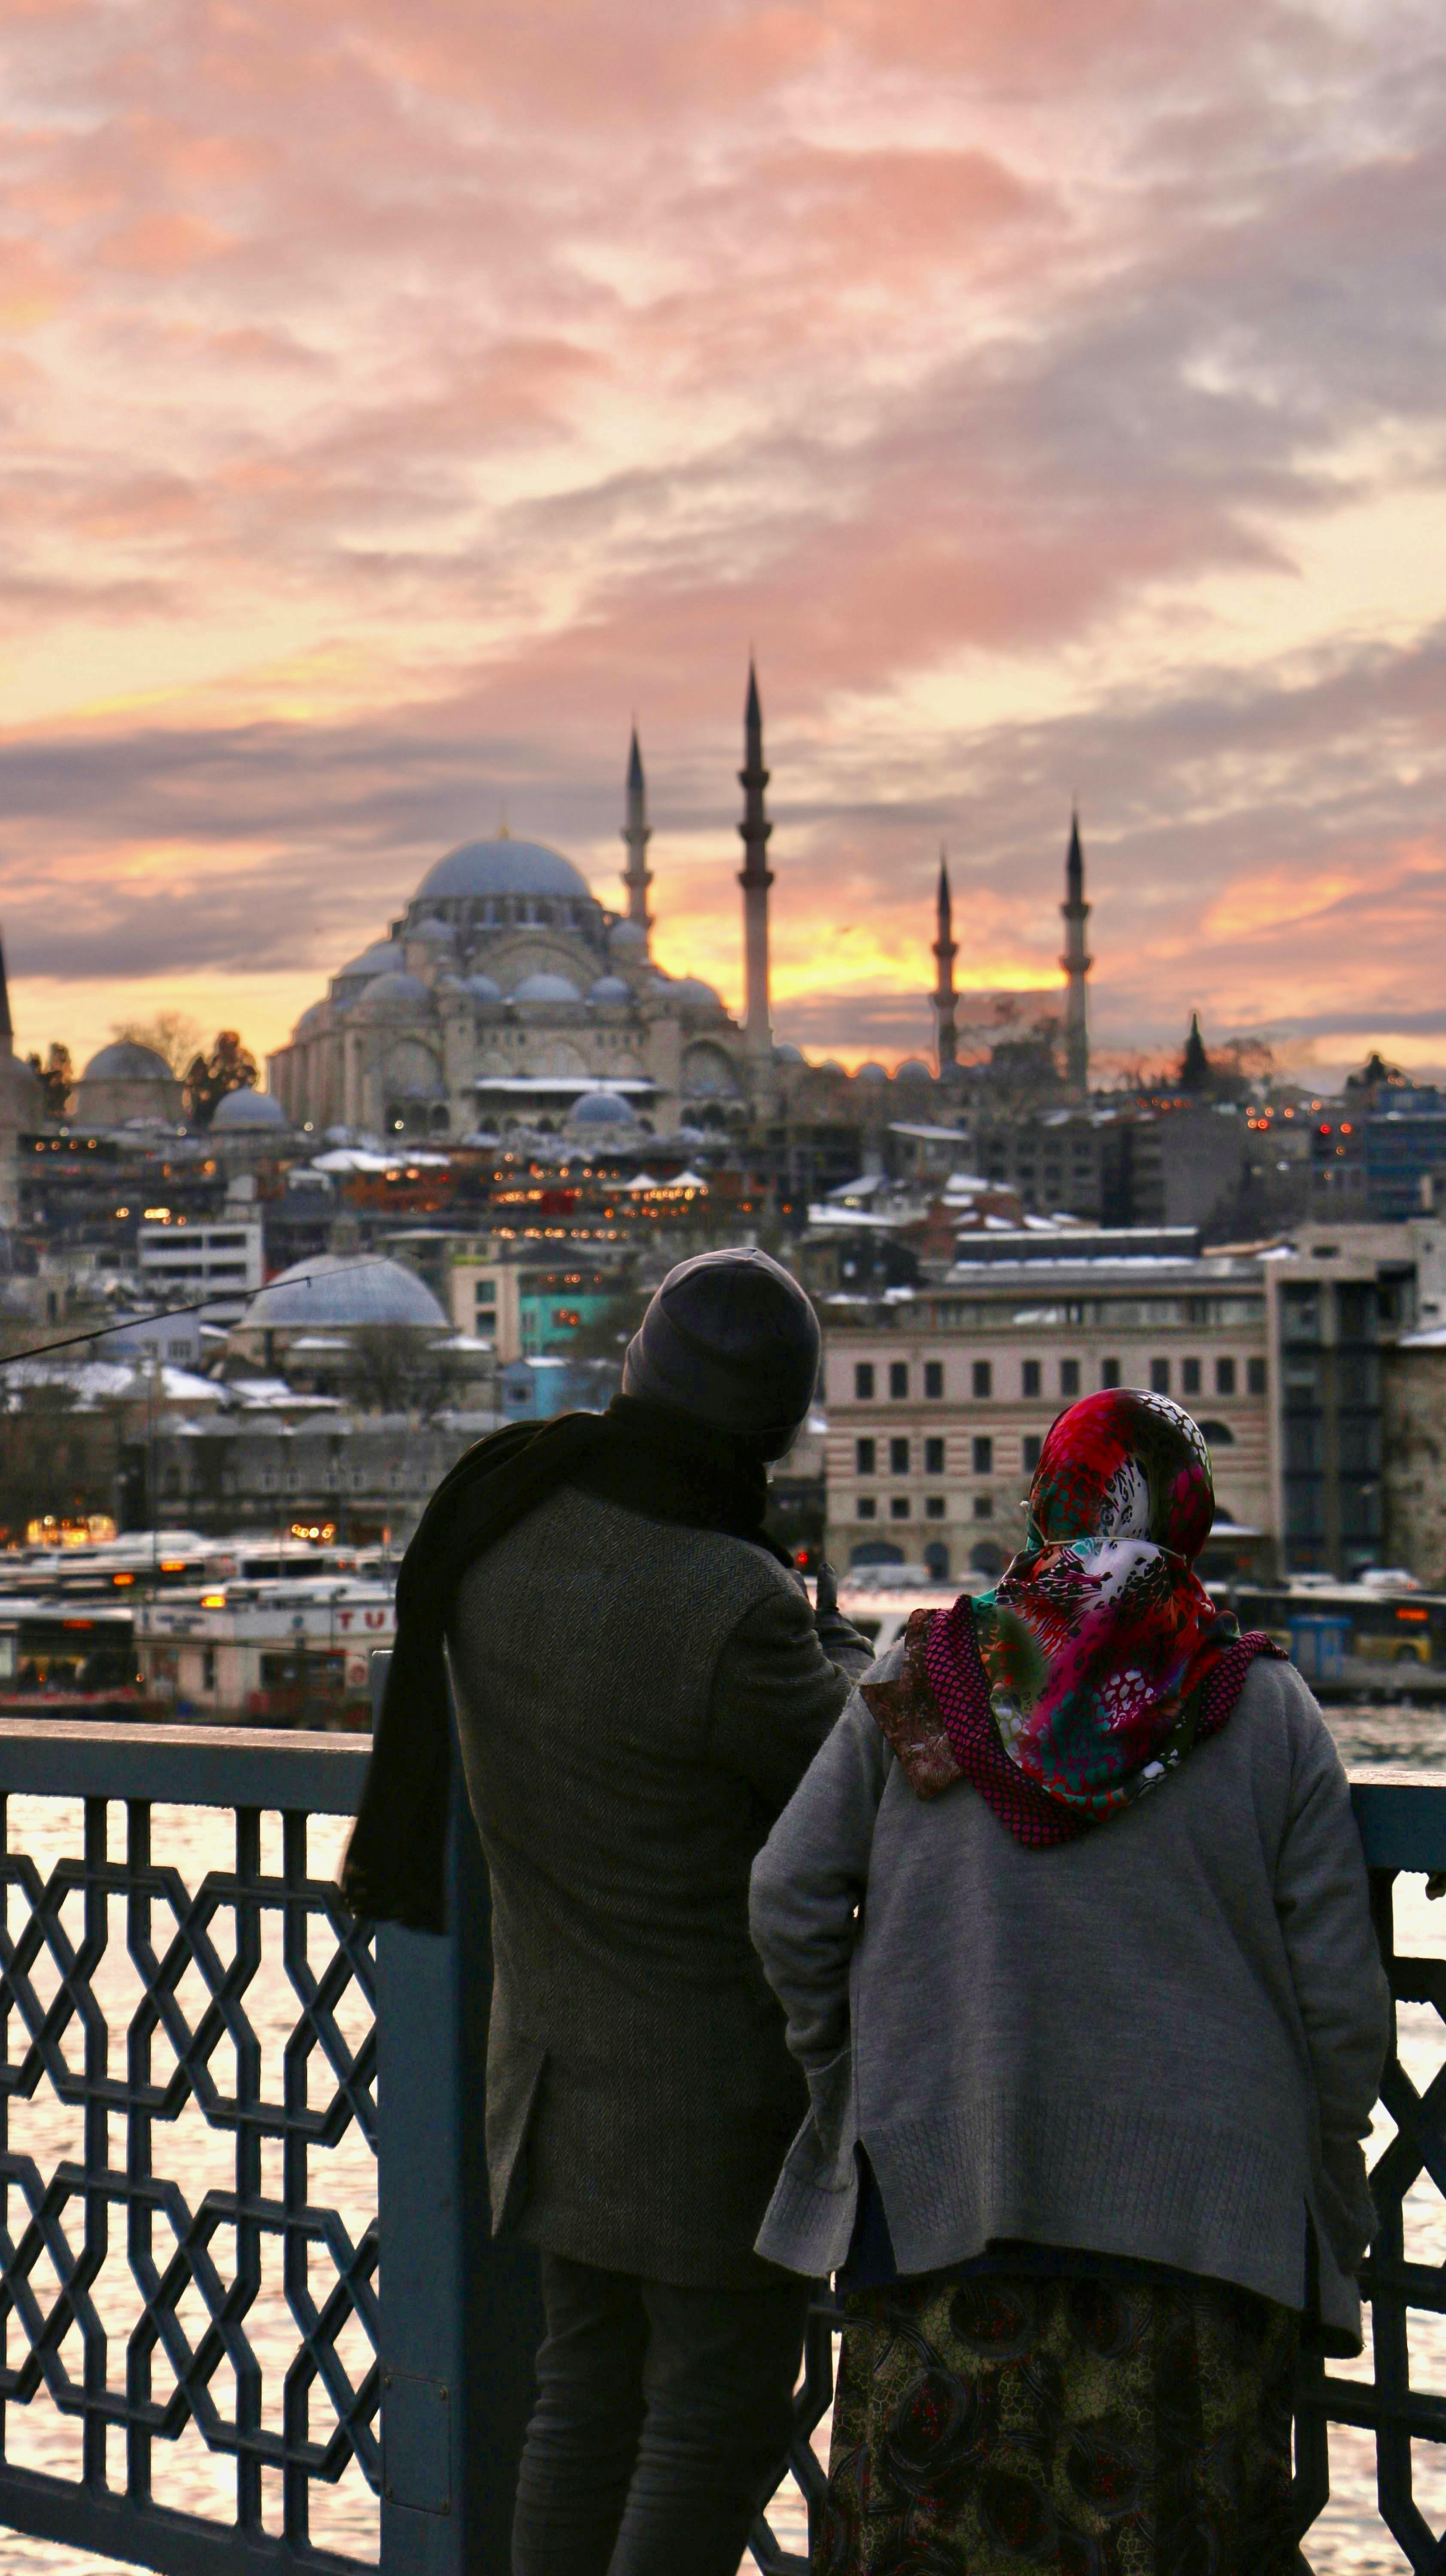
398,408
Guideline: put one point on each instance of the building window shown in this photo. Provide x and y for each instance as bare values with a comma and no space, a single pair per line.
863,1381
1159,1377
933,1378
898,1457
208,1668
1029,1449
984,1507
1029,1377
934,1457
1189,1377
933,1507
983,1457
983,1376
1255,1376
1225,1377
1069,1377
867,1508
1109,1373
864,1455
898,1379
898,1507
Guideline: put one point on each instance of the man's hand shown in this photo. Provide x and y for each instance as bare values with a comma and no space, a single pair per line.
840,1640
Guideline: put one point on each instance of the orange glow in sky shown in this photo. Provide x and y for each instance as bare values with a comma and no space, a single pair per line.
400,399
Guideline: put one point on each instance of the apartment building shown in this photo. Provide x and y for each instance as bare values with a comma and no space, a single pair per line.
938,1401
181,1258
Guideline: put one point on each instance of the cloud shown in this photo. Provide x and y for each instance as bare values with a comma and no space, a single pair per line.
1050,391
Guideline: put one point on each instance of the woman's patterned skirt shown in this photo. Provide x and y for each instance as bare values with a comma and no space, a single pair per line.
997,2424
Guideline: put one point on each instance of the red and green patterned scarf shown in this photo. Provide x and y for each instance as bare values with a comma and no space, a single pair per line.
1099,1658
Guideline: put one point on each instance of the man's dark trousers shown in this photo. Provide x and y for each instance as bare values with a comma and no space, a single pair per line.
662,2423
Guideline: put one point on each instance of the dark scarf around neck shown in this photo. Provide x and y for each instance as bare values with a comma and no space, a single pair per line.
665,1465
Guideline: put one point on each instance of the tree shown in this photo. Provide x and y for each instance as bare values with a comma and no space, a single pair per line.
56,1077
229,1067
402,1368
170,1034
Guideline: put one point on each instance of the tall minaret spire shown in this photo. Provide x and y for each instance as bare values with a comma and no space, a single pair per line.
637,876
7,1025
946,949
755,879
1075,912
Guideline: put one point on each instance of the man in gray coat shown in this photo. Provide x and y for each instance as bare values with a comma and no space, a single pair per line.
641,1685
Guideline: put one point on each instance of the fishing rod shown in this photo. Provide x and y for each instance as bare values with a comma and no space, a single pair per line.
158,1314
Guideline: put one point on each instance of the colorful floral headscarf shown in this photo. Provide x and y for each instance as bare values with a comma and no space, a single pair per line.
1099,1658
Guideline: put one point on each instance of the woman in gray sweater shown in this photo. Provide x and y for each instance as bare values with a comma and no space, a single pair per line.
1089,2067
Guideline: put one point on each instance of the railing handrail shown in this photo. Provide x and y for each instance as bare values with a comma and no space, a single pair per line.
293,1768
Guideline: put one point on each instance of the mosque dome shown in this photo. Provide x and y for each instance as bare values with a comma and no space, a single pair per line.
310,1021
339,1288
125,1060
787,1053
482,989
871,1073
435,932
913,1069
383,957
502,867
693,993
602,1109
237,1110
392,997
627,935
830,1064
609,988
546,988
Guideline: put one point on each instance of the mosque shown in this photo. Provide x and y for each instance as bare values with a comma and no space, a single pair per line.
506,996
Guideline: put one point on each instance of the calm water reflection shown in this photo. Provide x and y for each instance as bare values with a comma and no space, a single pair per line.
1349,2540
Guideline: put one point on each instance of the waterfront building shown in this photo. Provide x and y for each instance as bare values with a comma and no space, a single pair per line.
178,1260
938,1400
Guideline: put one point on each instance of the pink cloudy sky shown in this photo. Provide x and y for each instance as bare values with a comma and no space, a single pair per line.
400,395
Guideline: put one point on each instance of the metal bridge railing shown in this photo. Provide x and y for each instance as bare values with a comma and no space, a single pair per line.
407,2353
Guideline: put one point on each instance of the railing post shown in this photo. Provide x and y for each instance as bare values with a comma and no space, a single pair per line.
460,2312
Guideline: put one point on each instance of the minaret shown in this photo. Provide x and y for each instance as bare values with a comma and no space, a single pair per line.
1075,912
755,879
637,876
946,949
7,1025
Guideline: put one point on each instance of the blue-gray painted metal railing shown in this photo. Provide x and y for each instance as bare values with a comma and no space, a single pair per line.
434,2421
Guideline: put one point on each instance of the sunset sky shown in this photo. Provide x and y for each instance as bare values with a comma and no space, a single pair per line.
400,396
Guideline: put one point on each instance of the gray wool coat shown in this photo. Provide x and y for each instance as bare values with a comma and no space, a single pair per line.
1163,2039
636,1703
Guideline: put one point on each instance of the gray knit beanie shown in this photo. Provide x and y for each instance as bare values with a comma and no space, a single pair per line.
731,1338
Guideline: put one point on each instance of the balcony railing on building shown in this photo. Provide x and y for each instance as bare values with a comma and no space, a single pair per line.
214,2303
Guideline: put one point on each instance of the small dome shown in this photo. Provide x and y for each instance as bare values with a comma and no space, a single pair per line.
871,1073
546,988
435,932
310,1021
248,1108
693,993
347,1289
830,1064
602,1109
393,997
125,1061
787,1053
482,989
627,934
609,988
383,957
913,1069
501,867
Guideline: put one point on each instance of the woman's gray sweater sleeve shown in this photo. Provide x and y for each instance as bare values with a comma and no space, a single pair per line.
1323,1904
808,1883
